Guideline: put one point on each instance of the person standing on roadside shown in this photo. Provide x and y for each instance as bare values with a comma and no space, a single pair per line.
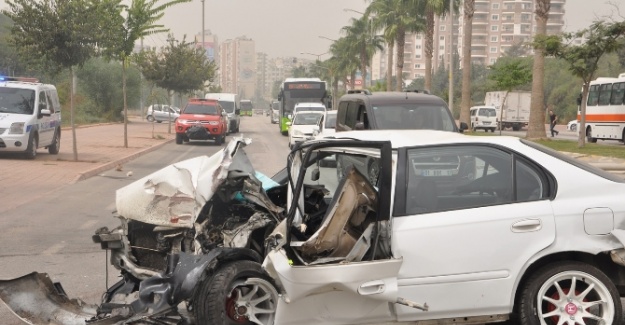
553,120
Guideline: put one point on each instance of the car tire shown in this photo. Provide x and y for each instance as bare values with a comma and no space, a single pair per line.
150,118
516,128
31,149
220,140
179,138
492,130
53,148
573,127
220,296
589,137
159,121
541,302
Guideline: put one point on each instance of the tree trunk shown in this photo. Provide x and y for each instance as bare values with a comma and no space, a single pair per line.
125,102
503,104
401,41
389,66
581,140
465,105
536,128
363,67
429,48
71,113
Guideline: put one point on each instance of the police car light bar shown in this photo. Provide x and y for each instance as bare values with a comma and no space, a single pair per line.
24,79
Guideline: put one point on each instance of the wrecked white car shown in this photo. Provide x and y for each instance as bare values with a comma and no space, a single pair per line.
426,226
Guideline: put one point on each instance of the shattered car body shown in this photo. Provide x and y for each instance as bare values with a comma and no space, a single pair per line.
482,229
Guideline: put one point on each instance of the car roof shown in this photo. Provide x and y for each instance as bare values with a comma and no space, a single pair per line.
416,138
25,85
395,97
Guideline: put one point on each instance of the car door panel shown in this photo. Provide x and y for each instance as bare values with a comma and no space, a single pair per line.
451,261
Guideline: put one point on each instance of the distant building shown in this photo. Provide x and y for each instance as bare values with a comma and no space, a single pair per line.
237,65
211,44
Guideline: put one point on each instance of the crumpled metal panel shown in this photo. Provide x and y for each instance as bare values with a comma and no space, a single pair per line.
36,300
175,195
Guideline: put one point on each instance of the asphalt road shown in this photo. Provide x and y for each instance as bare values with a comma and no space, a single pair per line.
53,234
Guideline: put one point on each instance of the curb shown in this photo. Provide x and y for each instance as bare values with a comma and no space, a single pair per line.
96,170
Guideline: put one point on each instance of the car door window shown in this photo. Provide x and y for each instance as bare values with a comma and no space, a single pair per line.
43,101
451,178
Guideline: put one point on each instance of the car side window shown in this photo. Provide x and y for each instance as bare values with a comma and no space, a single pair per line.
352,115
43,100
452,178
473,112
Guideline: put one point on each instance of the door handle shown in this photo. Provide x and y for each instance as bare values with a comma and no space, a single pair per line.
371,288
527,225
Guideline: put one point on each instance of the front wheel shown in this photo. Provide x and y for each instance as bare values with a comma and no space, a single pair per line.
31,149
237,293
573,127
53,149
179,138
570,293
150,118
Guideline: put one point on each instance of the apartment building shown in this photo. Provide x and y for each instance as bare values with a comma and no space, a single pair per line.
237,65
211,44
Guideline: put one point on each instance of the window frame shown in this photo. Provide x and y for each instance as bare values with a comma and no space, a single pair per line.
401,179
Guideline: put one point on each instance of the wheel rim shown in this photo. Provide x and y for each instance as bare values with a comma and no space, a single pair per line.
150,118
252,301
574,297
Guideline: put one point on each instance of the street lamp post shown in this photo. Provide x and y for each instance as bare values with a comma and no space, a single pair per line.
313,54
329,39
203,48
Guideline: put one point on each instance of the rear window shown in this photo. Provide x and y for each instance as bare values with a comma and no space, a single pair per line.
17,101
413,117
306,119
201,109
330,122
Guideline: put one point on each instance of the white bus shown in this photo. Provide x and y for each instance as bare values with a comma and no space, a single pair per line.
605,109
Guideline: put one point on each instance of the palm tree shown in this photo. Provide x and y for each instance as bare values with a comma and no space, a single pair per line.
345,60
362,40
431,8
536,127
465,106
397,17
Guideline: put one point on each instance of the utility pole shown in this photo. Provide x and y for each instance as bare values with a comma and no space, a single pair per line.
451,55
141,87
203,48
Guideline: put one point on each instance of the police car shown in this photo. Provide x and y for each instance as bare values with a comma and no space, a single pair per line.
30,116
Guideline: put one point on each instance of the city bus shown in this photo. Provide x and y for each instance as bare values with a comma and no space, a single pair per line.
605,109
298,90
246,107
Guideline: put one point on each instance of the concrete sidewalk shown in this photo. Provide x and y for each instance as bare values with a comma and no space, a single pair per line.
100,147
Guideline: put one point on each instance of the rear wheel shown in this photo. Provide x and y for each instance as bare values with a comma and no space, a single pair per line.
236,293
516,128
53,149
179,138
33,143
570,293
589,137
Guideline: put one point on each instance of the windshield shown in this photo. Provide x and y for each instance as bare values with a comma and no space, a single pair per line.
330,121
487,112
412,116
228,106
17,101
246,106
306,119
200,109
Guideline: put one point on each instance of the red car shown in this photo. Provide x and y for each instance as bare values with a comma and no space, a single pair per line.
201,119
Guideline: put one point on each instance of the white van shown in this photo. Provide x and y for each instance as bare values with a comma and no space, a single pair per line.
232,105
484,117
30,117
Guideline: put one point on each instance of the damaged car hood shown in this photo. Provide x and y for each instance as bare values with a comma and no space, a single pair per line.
175,195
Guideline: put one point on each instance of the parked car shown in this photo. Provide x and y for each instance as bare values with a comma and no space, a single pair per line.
573,125
362,110
483,117
454,228
159,113
202,119
302,126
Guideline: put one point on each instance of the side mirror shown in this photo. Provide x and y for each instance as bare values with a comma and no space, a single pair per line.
288,123
45,112
463,127
359,126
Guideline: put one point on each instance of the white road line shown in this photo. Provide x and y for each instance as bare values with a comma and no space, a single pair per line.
53,249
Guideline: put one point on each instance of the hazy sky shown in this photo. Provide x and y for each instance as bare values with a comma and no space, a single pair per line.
289,27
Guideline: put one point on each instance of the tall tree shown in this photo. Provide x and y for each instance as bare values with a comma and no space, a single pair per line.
431,8
346,60
508,75
465,105
362,39
536,127
583,60
60,35
396,18
137,20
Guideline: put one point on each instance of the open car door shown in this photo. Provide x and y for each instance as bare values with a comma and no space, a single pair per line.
336,265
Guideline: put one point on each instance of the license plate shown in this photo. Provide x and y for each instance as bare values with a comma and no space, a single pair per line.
486,123
437,172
